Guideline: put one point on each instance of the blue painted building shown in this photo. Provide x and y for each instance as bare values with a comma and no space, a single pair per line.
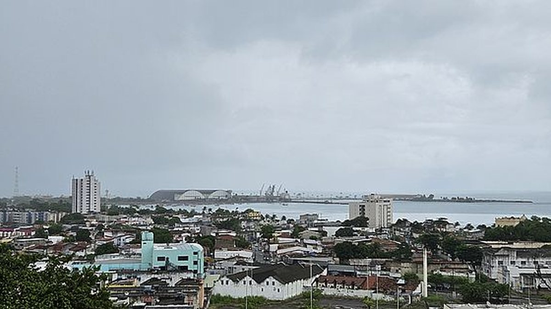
186,257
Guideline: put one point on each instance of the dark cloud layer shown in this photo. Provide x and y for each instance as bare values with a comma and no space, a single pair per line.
386,96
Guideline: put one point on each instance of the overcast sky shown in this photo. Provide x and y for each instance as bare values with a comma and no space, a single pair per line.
373,96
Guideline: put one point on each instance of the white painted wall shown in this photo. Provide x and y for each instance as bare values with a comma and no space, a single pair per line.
269,288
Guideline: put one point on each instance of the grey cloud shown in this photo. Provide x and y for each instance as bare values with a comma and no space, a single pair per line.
377,95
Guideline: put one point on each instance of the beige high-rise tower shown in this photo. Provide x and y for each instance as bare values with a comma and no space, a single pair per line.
377,208
86,194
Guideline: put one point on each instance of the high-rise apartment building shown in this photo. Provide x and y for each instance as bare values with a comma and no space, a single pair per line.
86,194
375,207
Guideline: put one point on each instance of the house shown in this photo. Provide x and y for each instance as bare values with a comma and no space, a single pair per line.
275,282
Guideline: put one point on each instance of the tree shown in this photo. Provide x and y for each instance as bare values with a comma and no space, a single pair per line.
55,229
450,244
429,241
161,236
470,254
83,235
106,249
207,242
74,218
480,292
267,231
297,229
346,250
344,232
40,233
233,224
22,286
360,221
241,242
403,252
411,277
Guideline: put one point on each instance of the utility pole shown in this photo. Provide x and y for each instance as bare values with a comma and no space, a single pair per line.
311,286
377,289
425,273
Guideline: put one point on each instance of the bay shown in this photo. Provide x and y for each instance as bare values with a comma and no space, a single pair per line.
474,213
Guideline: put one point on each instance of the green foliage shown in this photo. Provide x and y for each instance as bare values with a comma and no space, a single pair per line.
115,210
360,221
345,232
207,242
241,242
170,221
267,231
297,229
53,206
55,229
403,252
347,250
411,277
480,292
470,254
534,229
435,301
106,249
442,282
83,235
40,233
368,302
252,301
21,286
160,210
74,218
450,244
430,241
233,224
161,236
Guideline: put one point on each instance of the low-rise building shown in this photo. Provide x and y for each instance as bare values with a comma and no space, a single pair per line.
519,264
276,282
510,221
185,257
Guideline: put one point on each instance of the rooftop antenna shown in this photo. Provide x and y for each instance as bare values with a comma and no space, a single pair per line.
16,183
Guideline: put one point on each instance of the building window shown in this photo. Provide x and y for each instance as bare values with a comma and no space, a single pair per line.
273,282
183,258
250,282
194,262
512,262
278,290
500,263
267,282
522,262
160,259
195,252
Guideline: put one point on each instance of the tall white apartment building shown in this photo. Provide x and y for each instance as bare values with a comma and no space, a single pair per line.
378,209
86,194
